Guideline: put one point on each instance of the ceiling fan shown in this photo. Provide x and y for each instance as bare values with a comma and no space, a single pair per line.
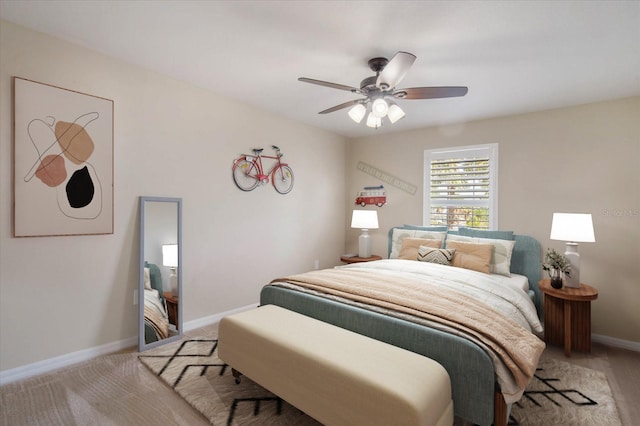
380,90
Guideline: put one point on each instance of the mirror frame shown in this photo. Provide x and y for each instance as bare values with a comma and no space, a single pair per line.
142,345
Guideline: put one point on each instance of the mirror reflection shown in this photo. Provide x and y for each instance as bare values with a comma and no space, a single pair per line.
160,313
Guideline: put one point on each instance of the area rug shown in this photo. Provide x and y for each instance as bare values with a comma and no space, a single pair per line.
559,394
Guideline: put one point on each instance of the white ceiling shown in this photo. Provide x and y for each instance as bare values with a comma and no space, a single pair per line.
515,57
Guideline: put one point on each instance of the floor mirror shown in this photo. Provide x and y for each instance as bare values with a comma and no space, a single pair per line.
160,273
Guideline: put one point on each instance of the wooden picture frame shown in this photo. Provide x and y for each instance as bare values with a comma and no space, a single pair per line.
63,161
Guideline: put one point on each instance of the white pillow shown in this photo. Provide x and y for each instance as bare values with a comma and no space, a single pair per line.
147,279
400,234
502,250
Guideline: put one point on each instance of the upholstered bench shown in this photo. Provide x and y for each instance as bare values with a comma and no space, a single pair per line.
334,375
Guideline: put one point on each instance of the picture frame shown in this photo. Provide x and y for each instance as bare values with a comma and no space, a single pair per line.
63,161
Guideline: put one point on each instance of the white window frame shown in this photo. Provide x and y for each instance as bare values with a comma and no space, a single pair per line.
469,152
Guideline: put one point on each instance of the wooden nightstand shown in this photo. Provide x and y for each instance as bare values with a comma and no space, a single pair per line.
172,307
567,316
356,259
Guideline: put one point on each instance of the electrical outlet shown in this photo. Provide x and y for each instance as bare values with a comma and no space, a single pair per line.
316,264
135,297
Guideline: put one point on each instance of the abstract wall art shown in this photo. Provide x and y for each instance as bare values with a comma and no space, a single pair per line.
63,161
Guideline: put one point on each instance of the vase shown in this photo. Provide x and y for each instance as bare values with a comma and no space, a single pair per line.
556,278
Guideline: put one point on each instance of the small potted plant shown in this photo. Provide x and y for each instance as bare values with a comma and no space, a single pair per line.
557,266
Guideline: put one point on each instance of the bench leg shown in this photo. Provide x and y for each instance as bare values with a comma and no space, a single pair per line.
499,409
236,374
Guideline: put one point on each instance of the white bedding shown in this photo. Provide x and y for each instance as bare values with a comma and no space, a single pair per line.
503,295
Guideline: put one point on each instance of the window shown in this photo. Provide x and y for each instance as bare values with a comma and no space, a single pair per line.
461,187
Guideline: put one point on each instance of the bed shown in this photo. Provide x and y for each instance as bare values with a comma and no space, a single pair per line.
481,388
156,320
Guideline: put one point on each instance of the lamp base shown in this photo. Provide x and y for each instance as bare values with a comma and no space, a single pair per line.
364,244
571,253
173,282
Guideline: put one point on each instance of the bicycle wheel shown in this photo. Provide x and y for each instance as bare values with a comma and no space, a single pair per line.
244,175
282,179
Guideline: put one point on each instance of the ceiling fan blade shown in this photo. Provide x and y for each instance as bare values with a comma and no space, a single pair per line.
341,106
328,84
431,92
395,70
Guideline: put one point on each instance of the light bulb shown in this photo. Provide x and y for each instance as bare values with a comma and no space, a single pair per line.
373,121
357,113
379,107
395,113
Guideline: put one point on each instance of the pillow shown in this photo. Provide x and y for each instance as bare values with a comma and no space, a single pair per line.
399,234
502,251
476,257
409,248
483,233
435,255
147,279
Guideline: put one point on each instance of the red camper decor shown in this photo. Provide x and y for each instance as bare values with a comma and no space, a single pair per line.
372,195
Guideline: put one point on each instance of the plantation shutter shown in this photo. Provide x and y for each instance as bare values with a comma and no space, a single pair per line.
459,187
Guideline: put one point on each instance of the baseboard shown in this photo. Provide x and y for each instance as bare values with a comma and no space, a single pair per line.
212,319
51,364
47,365
615,342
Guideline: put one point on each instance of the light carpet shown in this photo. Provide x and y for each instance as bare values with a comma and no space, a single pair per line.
560,393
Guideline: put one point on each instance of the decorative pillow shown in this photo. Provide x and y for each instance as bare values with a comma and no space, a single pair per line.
409,248
476,257
147,279
501,256
435,255
399,234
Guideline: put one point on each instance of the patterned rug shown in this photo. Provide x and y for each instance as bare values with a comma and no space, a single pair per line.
560,393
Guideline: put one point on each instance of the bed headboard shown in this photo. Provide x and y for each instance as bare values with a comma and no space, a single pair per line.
525,259
155,277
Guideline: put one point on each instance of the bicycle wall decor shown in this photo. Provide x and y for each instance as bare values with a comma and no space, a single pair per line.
248,172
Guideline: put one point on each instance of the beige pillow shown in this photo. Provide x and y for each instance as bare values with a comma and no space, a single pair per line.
476,257
409,248
501,256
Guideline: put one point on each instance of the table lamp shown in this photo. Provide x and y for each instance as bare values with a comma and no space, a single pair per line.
364,220
170,259
572,228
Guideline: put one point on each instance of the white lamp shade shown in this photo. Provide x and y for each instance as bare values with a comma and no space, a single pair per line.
395,113
364,219
379,107
357,113
574,227
170,255
373,121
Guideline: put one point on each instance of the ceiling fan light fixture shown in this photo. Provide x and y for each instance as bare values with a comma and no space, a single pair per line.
357,113
374,121
379,107
395,113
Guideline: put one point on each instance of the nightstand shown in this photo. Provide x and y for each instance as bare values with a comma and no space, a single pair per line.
172,307
356,259
567,316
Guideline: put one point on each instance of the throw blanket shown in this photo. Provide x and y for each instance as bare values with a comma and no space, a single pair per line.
155,314
516,346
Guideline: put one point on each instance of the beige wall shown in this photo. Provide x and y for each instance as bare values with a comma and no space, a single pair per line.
174,139
580,159
60,295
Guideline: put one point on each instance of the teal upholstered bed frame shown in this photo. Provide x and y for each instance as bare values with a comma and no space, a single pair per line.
475,394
